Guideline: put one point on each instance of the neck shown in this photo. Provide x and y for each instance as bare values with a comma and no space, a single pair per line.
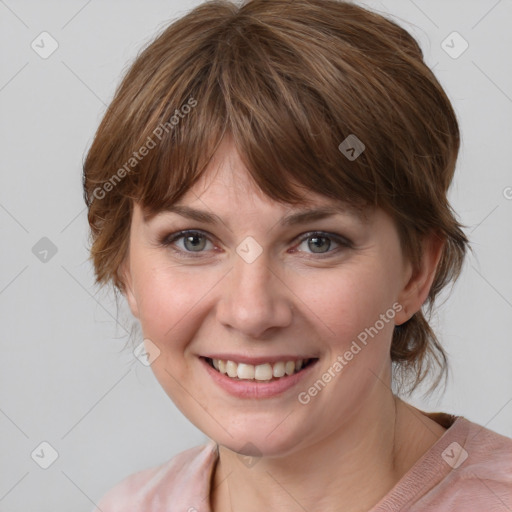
345,467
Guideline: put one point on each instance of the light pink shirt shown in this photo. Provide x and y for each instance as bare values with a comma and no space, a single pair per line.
468,469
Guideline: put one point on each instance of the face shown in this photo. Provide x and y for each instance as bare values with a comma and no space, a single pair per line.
251,288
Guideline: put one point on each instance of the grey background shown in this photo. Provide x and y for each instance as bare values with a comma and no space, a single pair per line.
64,378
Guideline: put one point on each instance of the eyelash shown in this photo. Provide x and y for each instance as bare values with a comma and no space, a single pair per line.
169,240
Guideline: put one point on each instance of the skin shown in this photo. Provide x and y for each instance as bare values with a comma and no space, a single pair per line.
354,440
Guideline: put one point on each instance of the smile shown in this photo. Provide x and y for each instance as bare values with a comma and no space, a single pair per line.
260,372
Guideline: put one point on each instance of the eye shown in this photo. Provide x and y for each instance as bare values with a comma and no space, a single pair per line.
193,242
317,241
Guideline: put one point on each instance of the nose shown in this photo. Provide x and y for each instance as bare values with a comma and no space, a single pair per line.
255,298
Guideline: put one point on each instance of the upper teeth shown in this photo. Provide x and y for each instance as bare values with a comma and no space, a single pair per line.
259,372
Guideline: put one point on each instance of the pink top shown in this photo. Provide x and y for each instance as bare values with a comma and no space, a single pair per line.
469,468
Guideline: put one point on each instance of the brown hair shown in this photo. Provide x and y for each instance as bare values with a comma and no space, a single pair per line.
289,81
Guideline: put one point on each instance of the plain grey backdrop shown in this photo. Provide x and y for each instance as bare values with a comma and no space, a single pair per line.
64,379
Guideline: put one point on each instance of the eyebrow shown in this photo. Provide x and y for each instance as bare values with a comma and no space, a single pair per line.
293,219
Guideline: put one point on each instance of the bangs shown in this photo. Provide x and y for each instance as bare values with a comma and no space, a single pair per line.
286,125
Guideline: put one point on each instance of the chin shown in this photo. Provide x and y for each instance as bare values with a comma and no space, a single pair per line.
258,443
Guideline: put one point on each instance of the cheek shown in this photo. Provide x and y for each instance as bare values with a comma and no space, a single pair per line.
170,313
168,301
348,304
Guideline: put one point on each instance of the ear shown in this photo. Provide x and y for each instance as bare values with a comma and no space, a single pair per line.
126,278
417,286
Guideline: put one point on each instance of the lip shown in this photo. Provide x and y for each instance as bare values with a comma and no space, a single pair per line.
238,358
257,389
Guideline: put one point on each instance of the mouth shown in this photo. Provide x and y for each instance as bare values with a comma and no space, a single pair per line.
266,372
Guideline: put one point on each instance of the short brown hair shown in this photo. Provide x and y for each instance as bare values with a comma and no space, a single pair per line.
289,80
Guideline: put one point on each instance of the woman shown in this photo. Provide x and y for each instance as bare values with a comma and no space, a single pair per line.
268,190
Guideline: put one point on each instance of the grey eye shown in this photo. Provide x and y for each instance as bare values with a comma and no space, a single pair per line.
194,242
316,243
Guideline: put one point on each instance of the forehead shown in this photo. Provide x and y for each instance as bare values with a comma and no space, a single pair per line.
226,187
296,215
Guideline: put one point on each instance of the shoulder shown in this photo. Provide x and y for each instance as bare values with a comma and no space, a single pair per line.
487,456
183,480
468,468
480,470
